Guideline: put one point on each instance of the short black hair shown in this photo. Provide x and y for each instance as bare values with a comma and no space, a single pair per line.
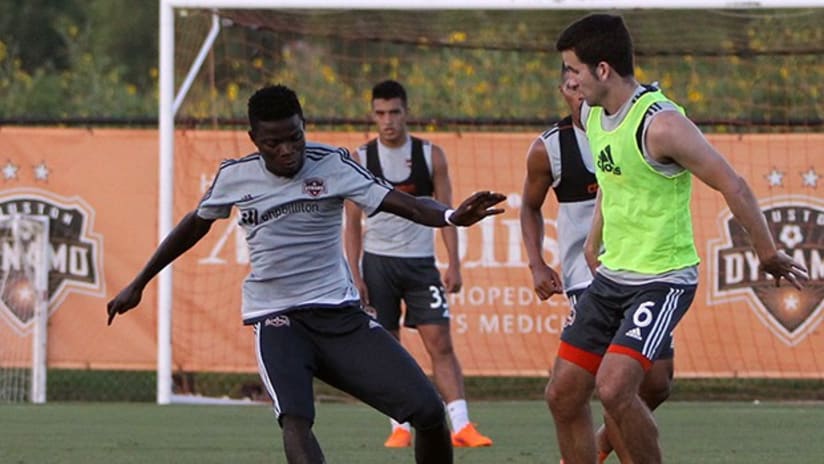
388,90
272,103
600,37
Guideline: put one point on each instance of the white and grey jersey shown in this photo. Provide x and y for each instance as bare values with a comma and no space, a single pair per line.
387,234
293,227
574,218
688,275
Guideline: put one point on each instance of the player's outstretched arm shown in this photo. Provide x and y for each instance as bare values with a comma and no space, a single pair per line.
432,213
185,235
673,137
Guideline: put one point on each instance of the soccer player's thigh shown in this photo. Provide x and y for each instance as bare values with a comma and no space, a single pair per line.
369,364
286,363
651,317
380,276
424,294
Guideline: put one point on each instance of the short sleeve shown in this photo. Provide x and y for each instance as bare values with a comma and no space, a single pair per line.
360,185
215,203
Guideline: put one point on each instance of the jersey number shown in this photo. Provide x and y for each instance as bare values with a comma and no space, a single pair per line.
642,316
438,298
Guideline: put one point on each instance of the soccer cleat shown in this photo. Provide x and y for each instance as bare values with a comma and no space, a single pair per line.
469,437
400,438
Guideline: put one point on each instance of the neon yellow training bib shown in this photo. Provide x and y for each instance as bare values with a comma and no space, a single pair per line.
647,220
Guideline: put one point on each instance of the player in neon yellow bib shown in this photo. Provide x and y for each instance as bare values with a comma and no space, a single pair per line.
645,151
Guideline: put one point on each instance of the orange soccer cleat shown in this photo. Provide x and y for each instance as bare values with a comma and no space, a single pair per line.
469,437
400,438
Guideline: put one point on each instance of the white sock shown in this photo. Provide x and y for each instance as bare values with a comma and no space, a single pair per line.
458,414
398,425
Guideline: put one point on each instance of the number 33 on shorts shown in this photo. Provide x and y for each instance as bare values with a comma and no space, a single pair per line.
439,300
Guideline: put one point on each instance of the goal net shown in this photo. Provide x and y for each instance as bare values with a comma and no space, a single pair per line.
24,306
482,84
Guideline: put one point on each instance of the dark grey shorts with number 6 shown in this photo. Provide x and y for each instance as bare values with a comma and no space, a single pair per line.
635,319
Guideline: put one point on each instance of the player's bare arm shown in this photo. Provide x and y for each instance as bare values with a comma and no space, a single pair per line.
452,279
592,245
430,212
183,236
671,137
538,180
353,240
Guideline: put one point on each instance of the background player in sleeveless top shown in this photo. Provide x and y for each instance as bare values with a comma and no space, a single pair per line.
645,157
299,296
561,159
394,259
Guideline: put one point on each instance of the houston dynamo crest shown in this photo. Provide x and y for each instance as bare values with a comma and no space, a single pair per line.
71,256
797,223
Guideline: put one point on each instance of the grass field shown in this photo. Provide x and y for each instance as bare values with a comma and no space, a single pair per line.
124,433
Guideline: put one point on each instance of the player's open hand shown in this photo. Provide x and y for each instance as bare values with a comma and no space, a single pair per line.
476,207
780,265
127,299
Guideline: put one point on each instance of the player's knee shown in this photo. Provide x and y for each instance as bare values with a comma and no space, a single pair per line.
656,388
561,399
429,414
294,425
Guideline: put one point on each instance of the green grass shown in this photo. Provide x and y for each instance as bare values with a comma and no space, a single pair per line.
124,433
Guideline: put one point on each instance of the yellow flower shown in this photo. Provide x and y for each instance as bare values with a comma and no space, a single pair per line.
131,89
695,96
232,91
328,74
457,37
257,63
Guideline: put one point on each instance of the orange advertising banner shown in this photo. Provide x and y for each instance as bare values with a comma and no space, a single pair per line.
99,189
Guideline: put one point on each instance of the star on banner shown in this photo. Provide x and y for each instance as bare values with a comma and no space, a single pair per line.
810,178
775,178
791,303
41,171
10,171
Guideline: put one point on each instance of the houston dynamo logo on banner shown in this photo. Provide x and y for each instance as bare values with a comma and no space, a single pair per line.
797,223
72,256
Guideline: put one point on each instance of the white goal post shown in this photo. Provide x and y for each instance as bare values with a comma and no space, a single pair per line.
24,286
170,97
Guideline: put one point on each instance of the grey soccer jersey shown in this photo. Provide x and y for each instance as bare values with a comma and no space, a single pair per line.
293,227
389,235
574,218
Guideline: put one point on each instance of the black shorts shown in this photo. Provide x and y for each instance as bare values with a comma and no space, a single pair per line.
668,345
416,281
636,320
345,348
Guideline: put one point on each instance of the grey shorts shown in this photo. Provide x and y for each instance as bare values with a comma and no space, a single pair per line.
415,281
636,320
668,345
